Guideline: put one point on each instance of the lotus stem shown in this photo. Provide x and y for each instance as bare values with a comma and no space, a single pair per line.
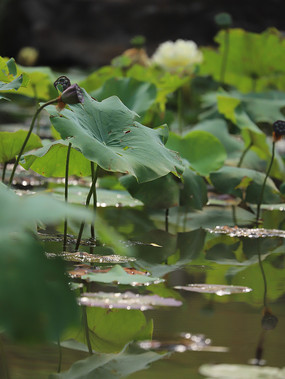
53,101
180,110
93,173
85,323
4,171
59,356
166,219
244,154
264,182
66,194
225,56
90,193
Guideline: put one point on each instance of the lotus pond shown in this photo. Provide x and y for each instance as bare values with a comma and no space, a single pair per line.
142,215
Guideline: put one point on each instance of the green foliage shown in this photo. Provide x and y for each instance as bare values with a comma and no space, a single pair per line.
227,180
254,60
8,76
11,143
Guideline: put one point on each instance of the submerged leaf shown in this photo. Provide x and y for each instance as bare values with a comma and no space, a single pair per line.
126,300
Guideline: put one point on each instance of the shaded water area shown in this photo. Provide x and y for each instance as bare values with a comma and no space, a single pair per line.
237,317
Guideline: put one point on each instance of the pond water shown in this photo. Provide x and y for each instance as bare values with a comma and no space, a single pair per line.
208,324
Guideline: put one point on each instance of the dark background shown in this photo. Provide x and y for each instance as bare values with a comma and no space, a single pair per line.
89,33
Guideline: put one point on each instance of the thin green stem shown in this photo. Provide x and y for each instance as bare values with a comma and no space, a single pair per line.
93,173
244,154
28,136
264,182
90,193
166,219
59,356
225,56
180,110
66,194
4,171
264,279
37,105
4,361
86,328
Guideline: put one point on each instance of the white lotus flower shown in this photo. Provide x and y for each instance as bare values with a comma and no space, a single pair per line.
181,53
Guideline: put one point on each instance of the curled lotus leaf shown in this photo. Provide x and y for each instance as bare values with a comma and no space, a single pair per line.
126,300
218,289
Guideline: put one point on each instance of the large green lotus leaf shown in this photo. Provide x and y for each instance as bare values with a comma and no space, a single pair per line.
227,179
11,143
194,191
202,149
245,49
97,78
110,330
40,85
136,95
111,366
218,127
106,133
50,160
160,193
37,304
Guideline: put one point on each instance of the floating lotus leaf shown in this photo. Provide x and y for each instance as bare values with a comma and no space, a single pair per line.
218,289
83,257
106,133
126,300
118,275
236,371
247,232
81,270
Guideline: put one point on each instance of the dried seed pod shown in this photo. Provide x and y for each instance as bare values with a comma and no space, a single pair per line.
72,95
62,83
278,130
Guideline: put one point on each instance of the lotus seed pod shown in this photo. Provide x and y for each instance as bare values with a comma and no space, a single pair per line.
72,95
269,321
62,83
223,20
278,130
